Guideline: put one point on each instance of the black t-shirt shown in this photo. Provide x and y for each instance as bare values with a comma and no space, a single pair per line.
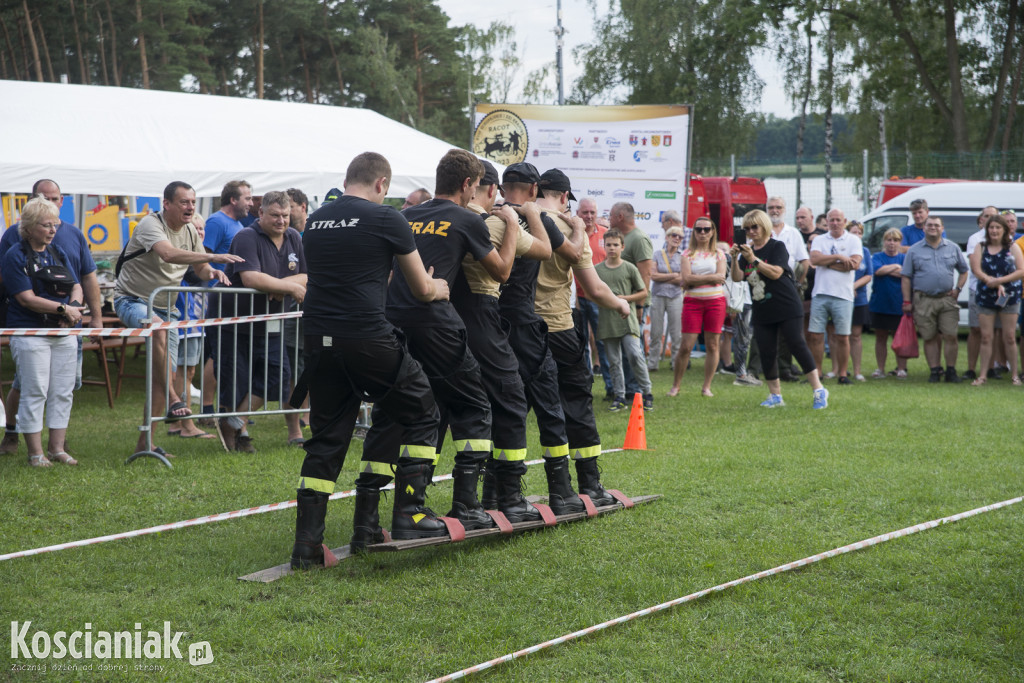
772,300
517,294
809,280
349,247
444,233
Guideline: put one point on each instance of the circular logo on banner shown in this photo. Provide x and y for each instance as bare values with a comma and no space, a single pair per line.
501,136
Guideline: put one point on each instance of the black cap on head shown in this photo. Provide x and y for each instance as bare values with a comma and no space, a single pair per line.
332,194
554,179
490,174
522,172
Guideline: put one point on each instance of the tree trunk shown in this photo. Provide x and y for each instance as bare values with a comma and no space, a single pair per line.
305,68
32,42
143,61
10,50
884,144
830,50
419,75
334,57
956,89
84,72
113,46
259,50
803,110
1004,73
46,52
103,50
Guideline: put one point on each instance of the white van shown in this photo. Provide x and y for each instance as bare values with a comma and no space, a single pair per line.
957,204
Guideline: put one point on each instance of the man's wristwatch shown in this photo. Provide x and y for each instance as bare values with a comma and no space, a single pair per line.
61,309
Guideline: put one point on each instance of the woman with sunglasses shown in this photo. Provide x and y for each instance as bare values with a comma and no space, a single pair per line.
666,297
777,308
703,279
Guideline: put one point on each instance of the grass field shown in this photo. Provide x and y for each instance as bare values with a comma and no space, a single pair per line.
745,489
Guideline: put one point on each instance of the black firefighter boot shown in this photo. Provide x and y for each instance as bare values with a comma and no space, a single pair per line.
562,499
311,511
366,529
489,494
589,481
465,506
411,519
511,502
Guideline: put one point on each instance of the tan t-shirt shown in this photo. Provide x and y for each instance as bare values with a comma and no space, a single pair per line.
554,282
140,276
480,281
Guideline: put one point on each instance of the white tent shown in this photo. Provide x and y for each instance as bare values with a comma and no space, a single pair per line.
123,141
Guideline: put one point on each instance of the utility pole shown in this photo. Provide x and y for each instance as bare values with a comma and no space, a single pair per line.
559,32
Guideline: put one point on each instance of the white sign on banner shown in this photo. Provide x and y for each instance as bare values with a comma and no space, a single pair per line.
638,154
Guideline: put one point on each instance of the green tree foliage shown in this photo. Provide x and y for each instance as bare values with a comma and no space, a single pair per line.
684,51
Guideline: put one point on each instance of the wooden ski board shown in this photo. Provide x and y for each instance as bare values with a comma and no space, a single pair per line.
343,553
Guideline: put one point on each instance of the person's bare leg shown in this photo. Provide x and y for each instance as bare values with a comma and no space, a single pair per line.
711,345
682,359
950,344
931,351
159,361
841,354
10,440
881,348
816,343
856,348
973,348
1009,344
56,442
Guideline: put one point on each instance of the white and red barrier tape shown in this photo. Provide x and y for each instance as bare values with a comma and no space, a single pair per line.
141,331
721,587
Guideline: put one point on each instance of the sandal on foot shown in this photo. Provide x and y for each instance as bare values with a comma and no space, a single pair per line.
175,412
39,461
674,391
200,435
62,457
978,382
706,392
297,441
1017,382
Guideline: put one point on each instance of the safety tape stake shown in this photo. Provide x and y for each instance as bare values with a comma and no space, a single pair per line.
859,545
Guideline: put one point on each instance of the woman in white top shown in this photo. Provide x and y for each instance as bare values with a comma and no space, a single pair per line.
666,297
703,279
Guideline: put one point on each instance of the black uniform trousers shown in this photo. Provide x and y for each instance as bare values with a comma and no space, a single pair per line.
340,373
454,377
487,336
575,384
540,379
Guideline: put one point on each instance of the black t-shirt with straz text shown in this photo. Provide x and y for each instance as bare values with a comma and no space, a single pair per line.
444,233
772,301
349,246
518,293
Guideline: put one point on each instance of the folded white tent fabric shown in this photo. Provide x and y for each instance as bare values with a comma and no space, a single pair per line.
125,141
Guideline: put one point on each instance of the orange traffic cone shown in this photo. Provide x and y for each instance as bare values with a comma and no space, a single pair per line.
636,435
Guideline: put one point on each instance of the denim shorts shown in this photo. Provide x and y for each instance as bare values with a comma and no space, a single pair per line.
132,312
824,307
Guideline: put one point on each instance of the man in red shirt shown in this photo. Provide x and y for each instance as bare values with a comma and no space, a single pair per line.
595,233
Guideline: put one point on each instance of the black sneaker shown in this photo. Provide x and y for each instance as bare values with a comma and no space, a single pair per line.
648,402
952,377
728,369
936,376
995,373
617,405
970,374
844,379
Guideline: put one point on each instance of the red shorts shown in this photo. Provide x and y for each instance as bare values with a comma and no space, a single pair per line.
703,314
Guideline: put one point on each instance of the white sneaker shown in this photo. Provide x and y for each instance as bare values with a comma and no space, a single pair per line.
830,375
877,374
860,378
746,381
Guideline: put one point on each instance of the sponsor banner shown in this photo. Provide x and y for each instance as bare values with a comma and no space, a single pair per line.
636,154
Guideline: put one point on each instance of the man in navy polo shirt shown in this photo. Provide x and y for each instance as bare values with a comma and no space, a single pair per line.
274,264
70,239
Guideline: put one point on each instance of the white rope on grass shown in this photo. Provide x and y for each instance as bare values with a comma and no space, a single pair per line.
867,543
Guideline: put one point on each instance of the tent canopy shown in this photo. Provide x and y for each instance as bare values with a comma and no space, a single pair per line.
124,141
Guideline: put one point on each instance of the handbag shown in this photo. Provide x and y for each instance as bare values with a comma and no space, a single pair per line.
904,342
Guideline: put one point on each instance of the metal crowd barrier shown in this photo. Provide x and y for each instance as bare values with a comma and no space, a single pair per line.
244,328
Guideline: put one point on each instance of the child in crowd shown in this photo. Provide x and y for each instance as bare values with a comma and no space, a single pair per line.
622,337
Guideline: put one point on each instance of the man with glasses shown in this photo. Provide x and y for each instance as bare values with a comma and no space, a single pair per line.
587,211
